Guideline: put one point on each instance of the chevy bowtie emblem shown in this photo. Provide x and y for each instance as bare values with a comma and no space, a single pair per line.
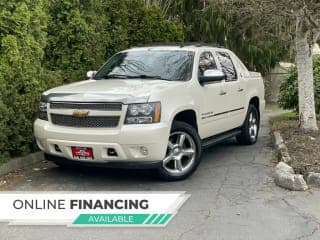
80,113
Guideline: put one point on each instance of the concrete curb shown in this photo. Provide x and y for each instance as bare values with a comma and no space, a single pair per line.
284,175
281,148
313,179
21,163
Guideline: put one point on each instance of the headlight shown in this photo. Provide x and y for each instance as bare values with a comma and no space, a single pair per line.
143,113
43,111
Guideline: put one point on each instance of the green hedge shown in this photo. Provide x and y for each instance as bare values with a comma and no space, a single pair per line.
83,34
44,43
288,98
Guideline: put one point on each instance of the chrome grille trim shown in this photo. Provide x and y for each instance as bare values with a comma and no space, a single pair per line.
93,106
86,122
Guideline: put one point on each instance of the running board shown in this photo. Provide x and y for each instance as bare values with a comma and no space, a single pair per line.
208,142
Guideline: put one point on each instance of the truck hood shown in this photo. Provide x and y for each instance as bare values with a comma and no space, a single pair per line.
111,90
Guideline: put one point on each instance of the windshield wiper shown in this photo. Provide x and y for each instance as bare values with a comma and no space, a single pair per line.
121,76
144,76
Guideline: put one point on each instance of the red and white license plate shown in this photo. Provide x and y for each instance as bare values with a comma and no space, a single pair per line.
82,153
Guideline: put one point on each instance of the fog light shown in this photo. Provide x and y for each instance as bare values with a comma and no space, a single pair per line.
112,152
144,151
57,148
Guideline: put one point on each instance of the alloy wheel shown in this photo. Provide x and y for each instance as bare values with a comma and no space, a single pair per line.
181,153
253,126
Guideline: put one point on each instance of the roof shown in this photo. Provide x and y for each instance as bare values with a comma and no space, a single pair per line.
176,46
182,44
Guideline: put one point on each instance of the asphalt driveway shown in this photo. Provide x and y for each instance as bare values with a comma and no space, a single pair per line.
232,197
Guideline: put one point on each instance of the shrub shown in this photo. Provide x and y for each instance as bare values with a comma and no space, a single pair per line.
22,40
43,43
288,97
83,34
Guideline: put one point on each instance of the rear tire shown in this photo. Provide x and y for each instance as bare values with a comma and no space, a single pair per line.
183,153
250,128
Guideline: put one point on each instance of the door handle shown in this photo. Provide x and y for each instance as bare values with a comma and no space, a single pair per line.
222,93
240,89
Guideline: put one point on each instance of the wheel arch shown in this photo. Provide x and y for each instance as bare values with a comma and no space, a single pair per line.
188,116
255,101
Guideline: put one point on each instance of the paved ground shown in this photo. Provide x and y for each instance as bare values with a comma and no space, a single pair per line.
232,197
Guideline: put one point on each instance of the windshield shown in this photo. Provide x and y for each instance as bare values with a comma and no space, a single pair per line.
149,64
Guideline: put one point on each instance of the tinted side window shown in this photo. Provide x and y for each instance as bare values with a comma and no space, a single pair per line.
206,62
227,66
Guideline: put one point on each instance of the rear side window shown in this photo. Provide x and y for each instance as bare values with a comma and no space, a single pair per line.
243,69
227,66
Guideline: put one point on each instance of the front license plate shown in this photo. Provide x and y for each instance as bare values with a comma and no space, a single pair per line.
82,153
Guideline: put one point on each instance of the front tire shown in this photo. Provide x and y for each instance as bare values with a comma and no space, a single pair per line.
250,128
183,152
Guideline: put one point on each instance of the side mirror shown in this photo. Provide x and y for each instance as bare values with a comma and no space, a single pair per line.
91,74
212,75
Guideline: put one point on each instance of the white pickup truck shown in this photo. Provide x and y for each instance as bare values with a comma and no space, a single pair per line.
152,107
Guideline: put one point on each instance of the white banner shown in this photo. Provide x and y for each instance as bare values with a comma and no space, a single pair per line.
76,209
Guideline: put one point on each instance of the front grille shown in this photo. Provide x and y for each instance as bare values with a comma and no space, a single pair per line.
93,106
87,121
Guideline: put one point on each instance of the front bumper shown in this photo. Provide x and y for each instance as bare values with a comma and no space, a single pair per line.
127,141
113,164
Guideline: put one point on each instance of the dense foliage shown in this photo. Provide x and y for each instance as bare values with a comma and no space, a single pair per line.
83,34
22,39
221,22
288,98
45,43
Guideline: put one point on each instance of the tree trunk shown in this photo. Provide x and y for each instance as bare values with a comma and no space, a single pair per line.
304,60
